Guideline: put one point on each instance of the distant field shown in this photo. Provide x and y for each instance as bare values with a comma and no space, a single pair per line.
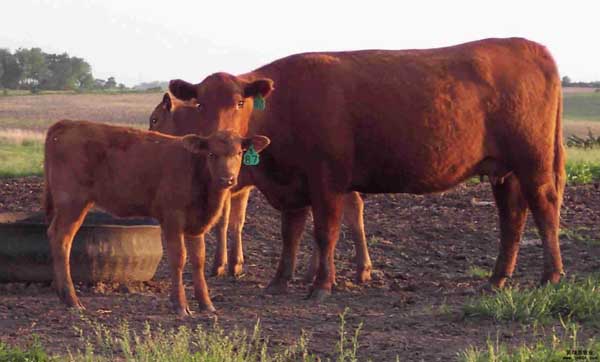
37,112
582,106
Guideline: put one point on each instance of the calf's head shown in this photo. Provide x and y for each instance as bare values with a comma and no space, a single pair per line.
224,151
175,117
223,101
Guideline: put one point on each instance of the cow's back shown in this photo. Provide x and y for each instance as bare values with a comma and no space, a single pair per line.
409,120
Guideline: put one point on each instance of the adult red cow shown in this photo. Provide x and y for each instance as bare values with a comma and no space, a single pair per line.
178,118
407,121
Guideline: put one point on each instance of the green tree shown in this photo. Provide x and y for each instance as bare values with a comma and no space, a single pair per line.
12,70
110,83
34,65
566,81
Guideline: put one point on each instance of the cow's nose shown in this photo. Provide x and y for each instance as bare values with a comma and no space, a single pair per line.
227,180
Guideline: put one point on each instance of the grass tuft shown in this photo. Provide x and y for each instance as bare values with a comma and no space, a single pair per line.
578,300
563,345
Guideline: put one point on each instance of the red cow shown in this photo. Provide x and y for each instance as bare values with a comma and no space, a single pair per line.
179,118
406,121
180,181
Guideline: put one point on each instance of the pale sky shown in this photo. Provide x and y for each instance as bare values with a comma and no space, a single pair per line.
149,40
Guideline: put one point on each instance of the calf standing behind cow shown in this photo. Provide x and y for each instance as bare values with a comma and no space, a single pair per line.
401,121
180,181
178,118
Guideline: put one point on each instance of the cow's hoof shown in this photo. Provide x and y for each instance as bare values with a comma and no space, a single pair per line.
183,311
319,295
208,308
363,276
496,282
277,286
219,270
551,278
236,270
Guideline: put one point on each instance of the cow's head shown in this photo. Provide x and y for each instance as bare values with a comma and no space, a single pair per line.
224,151
175,117
223,101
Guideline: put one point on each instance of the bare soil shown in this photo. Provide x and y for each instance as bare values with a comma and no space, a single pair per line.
422,248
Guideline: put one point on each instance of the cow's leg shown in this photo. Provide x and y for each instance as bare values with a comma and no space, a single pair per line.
353,217
197,251
512,213
176,254
239,203
292,227
64,225
543,198
327,208
220,262
313,265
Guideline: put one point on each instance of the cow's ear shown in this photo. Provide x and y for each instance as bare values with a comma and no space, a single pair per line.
259,143
262,87
166,102
182,89
195,144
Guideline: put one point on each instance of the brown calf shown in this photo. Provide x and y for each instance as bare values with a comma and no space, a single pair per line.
402,121
177,118
180,181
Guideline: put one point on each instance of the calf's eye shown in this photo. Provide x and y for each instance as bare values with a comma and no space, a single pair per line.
154,120
240,104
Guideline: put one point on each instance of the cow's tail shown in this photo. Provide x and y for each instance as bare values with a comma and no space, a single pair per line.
559,152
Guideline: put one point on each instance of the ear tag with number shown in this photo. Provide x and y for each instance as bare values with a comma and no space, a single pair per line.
259,102
251,157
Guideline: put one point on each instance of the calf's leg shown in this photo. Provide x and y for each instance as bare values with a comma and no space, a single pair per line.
353,217
239,203
292,226
176,254
64,225
220,262
197,251
512,214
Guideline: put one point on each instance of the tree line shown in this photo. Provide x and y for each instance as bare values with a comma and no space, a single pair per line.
33,69
567,82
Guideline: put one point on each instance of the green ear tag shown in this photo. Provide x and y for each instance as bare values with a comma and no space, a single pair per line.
251,157
259,102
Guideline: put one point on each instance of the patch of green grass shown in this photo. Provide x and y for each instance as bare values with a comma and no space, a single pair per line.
582,106
23,158
558,347
583,166
101,343
478,272
34,352
579,300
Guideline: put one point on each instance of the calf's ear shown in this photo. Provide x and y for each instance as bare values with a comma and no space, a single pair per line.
259,143
195,144
262,87
166,102
182,89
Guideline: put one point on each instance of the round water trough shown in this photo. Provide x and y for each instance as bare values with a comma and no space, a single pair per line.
104,249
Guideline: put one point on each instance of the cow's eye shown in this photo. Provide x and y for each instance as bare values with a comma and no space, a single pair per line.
199,106
154,120
240,104
211,155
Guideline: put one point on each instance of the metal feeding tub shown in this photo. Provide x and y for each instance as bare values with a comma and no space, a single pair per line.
104,249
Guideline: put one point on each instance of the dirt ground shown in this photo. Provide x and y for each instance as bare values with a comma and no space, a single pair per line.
422,248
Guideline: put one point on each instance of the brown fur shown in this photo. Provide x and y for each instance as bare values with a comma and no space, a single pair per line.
411,121
178,118
180,181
